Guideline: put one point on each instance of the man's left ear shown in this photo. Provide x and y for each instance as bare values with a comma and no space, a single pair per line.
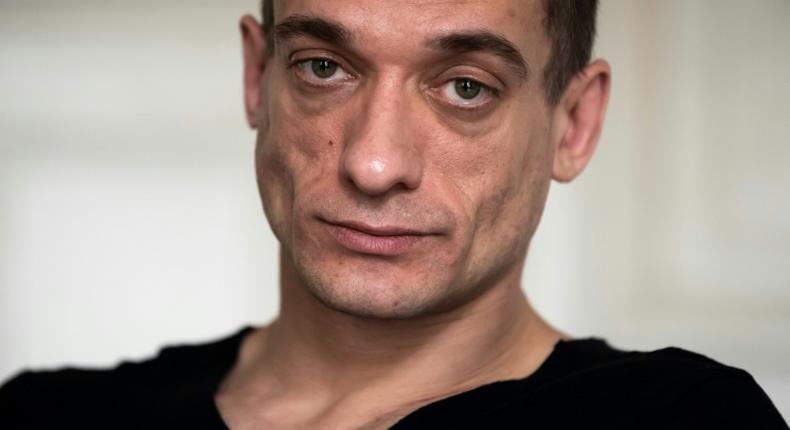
578,119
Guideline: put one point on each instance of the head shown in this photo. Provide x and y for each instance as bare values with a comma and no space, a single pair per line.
405,149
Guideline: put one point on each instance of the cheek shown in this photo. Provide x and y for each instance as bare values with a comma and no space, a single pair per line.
514,211
482,176
523,173
275,184
501,181
292,161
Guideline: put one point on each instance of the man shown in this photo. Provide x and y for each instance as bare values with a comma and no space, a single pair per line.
404,155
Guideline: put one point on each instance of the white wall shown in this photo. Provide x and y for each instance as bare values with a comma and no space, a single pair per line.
129,216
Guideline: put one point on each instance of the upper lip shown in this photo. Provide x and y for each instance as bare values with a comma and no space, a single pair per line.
386,230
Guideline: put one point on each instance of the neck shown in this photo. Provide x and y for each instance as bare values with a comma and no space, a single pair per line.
314,351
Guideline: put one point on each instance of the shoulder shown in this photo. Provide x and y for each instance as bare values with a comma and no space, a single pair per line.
175,376
663,369
588,384
671,386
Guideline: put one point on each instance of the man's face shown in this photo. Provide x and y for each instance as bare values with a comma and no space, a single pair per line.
404,161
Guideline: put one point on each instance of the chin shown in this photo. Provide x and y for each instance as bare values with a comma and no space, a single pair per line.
374,293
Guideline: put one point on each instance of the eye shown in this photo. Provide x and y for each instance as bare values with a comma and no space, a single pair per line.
467,93
319,71
467,89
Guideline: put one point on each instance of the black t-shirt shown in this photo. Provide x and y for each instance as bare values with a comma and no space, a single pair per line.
583,384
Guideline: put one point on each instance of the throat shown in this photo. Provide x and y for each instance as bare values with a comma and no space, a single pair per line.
302,369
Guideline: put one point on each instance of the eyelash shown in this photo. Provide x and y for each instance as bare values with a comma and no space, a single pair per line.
487,91
304,63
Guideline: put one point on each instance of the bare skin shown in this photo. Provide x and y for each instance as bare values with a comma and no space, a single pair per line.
404,205
369,374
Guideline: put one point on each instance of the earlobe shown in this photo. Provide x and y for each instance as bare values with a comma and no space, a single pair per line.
254,55
578,120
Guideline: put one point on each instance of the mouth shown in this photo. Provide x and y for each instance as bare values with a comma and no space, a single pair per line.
376,240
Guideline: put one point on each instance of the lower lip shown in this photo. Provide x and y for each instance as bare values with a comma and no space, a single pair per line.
365,243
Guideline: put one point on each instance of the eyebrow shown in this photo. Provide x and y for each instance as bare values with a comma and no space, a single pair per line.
483,41
459,43
317,28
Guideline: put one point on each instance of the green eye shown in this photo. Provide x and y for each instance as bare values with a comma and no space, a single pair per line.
467,89
323,68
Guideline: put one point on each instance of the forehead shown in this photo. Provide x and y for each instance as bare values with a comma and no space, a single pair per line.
404,24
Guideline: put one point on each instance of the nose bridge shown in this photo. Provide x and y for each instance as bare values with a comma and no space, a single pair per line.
380,152
380,123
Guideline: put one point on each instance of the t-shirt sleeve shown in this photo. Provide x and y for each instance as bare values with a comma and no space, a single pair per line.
17,398
48,399
731,400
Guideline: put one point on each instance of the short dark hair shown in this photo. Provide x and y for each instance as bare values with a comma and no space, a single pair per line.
569,24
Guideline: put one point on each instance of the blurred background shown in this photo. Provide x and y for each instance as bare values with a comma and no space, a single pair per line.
129,217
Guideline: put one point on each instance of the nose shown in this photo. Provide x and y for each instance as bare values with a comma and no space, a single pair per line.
381,153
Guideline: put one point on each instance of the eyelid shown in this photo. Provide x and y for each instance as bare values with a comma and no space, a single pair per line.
488,94
299,62
319,54
302,69
474,71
